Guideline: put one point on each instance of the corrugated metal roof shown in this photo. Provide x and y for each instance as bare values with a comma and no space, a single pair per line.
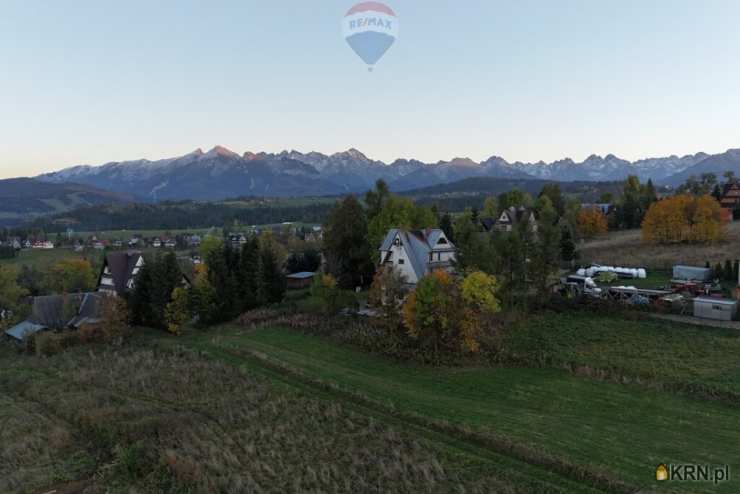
25,329
301,276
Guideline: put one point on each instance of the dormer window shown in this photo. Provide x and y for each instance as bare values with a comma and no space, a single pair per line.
397,241
442,241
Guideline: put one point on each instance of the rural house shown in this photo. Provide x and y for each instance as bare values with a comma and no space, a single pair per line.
509,218
417,253
237,240
58,312
730,196
119,272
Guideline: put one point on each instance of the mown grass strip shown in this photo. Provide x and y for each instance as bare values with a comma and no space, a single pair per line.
621,429
575,477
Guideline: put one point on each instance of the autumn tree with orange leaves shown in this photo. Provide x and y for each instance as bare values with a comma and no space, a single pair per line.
447,315
592,222
684,219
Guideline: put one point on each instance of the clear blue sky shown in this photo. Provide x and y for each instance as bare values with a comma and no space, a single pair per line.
96,81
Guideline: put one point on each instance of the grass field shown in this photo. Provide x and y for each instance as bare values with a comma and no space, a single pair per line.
680,357
137,420
232,409
625,248
620,431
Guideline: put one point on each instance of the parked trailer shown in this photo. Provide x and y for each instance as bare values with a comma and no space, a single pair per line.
633,295
715,308
692,273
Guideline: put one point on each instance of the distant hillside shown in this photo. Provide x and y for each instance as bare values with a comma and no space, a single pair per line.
717,164
588,191
22,199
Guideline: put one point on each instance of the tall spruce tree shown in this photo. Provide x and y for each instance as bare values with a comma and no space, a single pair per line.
222,278
249,273
445,223
272,278
567,246
346,246
546,255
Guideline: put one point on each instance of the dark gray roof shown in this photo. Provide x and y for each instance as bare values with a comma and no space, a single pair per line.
388,241
89,311
418,244
121,266
516,214
59,312
488,223
49,311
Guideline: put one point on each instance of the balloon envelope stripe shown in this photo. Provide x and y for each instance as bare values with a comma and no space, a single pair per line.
367,6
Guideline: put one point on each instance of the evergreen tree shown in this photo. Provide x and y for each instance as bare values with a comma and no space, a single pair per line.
729,271
567,246
222,276
153,292
140,303
546,251
553,192
376,198
473,247
346,245
202,300
717,192
445,223
249,275
272,279
168,277
719,271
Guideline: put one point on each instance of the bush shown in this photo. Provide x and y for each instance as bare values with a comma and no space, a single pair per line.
47,344
325,289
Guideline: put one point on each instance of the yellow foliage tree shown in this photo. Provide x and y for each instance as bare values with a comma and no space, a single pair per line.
445,314
478,291
591,222
325,289
683,218
706,222
71,275
177,312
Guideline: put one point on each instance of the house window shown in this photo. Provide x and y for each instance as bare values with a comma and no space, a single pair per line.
401,261
442,241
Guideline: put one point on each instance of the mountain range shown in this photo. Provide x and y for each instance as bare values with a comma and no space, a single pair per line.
221,173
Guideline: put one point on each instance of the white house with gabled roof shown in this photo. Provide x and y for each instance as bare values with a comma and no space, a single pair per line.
417,253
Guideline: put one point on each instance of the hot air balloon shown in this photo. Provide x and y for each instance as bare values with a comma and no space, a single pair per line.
370,29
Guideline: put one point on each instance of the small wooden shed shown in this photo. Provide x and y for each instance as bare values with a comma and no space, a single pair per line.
300,281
